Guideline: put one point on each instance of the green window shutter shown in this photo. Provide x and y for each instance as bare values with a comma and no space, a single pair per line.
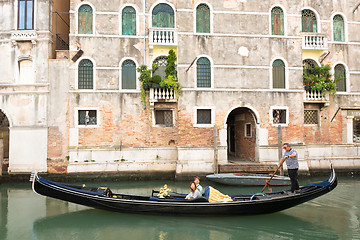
203,72
85,20
339,28
85,74
309,22
340,76
277,21
203,19
128,21
128,75
278,69
163,16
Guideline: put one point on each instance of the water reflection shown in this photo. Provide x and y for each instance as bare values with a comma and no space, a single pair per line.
97,224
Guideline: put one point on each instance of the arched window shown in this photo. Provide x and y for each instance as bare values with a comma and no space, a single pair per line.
278,74
163,16
85,20
85,74
203,72
203,19
128,21
26,14
309,22
309,64
277,21
339,28
128,75
340,77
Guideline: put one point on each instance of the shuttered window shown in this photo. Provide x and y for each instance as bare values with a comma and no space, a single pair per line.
128,21
163,16
277,21
26,14
203,19
340,76
128,75
278,74
85,20
339,28
203,71
309,23
85,74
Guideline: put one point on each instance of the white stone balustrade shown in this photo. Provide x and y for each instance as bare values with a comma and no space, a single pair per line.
314,41
161,94
315,96
163,36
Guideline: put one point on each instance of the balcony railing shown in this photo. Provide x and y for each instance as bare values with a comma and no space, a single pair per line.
163,36
315,97
314,41
161,94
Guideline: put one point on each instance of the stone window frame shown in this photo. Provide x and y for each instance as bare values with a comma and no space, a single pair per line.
34,8
318,20
162,125
197,125
345,27
272,108
347,83
246,132
152,8
270,20
77,74
318,118
137,10
286,74
76,117
137,75
211,72
211,18
77,19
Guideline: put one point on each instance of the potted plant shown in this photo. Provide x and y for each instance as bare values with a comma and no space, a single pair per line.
320,79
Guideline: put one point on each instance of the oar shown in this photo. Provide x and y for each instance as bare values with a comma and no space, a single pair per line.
267,183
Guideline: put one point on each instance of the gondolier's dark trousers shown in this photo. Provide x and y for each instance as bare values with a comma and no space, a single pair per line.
293,174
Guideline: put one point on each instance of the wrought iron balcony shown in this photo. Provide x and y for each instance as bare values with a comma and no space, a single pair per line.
159,94
311,96
163,36
314,41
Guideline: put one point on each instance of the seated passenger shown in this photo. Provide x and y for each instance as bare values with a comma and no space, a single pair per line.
195,193
198,186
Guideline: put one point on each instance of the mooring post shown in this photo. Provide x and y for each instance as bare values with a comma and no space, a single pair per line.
216,167
281,169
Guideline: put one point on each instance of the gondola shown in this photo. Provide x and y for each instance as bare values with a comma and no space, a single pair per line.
248,179
176,204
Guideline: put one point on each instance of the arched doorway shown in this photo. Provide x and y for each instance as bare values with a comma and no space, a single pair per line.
241,131
4,136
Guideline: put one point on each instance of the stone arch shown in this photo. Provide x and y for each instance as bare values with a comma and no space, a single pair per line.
4,137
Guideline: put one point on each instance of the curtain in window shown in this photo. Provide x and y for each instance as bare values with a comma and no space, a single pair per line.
203,72
26,14
128,75
85,20
203,19
163,16
128,21
340,76
87,117
309,23
85,74
339,28
278,69
277,21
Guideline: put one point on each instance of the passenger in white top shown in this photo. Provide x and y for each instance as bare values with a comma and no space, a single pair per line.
198,186
195,193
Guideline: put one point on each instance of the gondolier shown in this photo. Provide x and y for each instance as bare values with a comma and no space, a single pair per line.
292,163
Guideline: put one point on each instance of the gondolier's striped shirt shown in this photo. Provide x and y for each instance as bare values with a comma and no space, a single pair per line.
291,162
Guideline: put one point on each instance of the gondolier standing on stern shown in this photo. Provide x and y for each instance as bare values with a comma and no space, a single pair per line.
292,163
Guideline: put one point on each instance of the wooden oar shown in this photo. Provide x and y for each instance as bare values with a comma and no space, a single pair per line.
267,183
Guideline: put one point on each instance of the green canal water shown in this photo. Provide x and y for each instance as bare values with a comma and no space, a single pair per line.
26,215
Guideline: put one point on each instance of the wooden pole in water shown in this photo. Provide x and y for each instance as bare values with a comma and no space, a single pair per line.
216,167
280,148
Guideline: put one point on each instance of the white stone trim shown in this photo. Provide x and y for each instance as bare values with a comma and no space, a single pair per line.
197,125
272,108
76,117
286,73
77,18
77,73
137,74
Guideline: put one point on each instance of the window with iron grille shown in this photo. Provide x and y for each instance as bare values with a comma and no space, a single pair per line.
278,69
338,28
203,19
85,74
309,22
85,20
128,75
248,130
26,14
309,64
277,21
311,117
203,116
161,63
279,116
340,76
164,118
128,21
203,72
87,117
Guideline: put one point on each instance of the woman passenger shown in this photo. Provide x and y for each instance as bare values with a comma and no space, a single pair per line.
195,193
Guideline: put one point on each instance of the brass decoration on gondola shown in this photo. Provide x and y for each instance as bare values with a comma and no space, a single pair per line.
164,192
